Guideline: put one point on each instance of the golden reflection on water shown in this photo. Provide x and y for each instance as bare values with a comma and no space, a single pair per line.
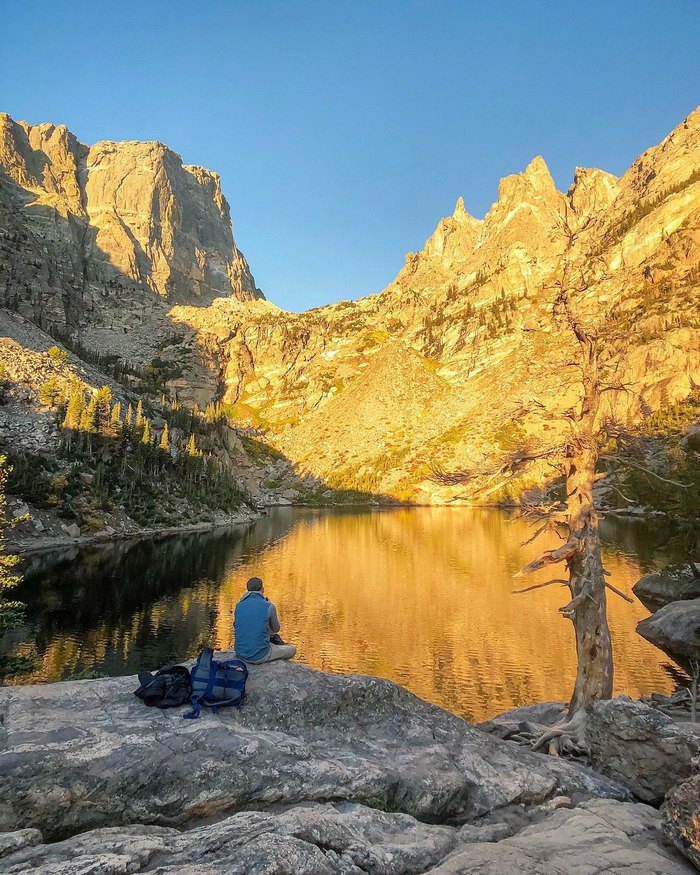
425,598
422,596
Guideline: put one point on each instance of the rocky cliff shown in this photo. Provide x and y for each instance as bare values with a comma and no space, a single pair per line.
101,238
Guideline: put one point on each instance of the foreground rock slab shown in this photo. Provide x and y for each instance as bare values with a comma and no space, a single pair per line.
86,754
308,838
348,839
639,746
599,836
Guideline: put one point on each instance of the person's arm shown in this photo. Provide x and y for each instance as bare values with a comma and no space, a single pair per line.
272,617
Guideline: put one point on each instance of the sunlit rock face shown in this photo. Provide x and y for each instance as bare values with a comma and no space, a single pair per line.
88,231
164,223
451,363
458,361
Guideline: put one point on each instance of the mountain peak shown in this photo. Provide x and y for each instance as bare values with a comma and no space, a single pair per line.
462,217
538,175
537,167
152,220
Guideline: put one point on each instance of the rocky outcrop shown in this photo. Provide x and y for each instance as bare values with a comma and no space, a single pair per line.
348,839
640,747
673,583
675,629
317,773
595,837
130,210
87,754
307,838
681,817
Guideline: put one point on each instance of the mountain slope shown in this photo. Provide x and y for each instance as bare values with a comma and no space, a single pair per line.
129,253
475,306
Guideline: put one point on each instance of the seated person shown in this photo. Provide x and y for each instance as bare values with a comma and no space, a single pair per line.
255,627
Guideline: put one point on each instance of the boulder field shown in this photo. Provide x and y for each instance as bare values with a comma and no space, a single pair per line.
317,773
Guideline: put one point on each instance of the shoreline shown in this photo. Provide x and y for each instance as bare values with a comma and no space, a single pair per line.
44,545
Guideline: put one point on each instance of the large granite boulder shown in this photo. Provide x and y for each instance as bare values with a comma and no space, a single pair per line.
85,754
675,629
673,583
681,817
640,747
347,839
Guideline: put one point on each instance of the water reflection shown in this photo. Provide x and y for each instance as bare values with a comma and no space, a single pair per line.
421,596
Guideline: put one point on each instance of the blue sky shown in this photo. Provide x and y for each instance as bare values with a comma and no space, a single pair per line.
344,130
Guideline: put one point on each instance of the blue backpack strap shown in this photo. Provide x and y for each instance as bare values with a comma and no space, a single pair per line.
194,713
204,663
204,659
224,703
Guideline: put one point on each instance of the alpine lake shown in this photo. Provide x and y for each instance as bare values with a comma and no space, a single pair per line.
422,596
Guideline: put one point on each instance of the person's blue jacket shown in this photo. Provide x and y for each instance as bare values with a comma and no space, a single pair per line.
254,620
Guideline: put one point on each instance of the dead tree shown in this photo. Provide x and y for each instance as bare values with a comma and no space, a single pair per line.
587,608
576,520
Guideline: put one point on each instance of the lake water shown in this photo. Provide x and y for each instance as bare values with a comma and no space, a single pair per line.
422,596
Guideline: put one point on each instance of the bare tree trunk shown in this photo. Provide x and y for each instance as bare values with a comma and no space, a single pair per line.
587,608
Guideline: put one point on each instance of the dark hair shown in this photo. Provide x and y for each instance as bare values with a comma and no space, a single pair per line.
254,584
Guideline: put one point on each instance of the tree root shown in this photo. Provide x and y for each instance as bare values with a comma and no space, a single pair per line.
567,738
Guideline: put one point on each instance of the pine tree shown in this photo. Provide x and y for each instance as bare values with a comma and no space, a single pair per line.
192,446
139,414
165,439
88,419
10,611
103,403
76,407
146,436
129,418
115,418
49,393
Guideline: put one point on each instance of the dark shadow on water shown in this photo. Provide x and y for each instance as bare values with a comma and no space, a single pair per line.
639,538
102,600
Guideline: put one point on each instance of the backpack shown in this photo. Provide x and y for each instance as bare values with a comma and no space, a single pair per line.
169,687
216,684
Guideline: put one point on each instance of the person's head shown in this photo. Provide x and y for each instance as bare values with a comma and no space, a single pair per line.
254,585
